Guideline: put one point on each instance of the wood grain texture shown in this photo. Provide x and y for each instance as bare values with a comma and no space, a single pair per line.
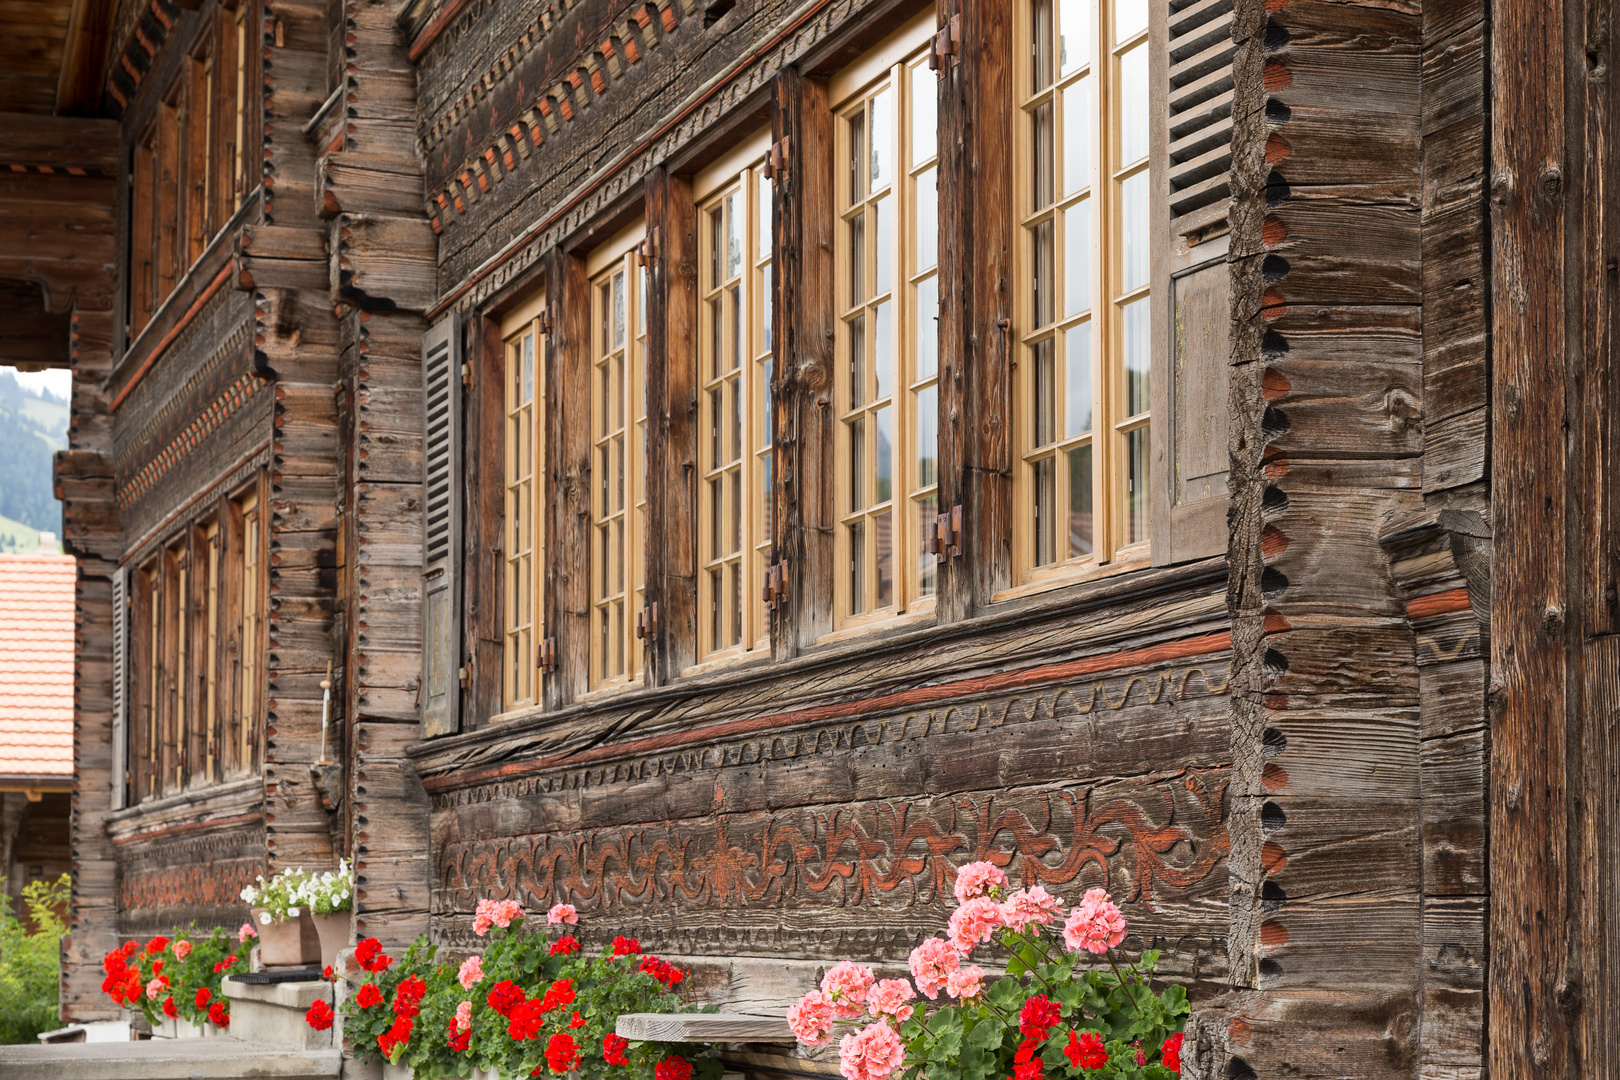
703,1028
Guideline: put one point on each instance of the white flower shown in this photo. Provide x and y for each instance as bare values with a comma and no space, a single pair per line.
264,918
292,913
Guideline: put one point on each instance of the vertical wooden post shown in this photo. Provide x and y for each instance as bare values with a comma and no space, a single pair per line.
672,396
485,402
976,324
1535,936
804,328
568,375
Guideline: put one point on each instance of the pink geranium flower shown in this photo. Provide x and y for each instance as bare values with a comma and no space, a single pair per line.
811,1019
562,913
931,964
846,985
1094,925
495,913
965,982
888,998
977,879
463,1020
182,949
472,972
1030,906
154,988
973,923
245,932
871,1054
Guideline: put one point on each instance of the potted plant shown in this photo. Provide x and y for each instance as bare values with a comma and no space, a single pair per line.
175,982
287,935
330,898
1046,1018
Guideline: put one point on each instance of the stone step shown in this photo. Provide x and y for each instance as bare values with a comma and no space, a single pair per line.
168,1059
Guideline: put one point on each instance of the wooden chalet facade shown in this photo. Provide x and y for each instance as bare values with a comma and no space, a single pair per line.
735,459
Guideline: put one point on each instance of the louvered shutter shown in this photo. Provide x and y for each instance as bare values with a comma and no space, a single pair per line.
120,684
441,529
1191,159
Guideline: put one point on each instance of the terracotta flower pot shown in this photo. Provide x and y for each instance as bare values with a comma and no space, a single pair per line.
287,942
333,931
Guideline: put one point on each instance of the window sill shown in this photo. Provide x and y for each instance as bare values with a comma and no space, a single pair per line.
919,614
229,802
1128,560
615,688
729,659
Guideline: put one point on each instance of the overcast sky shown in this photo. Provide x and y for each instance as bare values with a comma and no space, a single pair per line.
58,381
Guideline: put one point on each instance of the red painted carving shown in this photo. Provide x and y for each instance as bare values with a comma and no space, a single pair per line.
211,884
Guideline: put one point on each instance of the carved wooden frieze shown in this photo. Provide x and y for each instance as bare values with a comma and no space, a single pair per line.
171,880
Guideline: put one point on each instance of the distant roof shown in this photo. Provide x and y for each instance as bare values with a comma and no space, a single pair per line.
36,668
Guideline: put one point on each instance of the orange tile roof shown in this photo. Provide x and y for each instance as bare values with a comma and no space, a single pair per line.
36,666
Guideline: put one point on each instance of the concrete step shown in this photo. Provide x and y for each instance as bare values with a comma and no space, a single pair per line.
168,1059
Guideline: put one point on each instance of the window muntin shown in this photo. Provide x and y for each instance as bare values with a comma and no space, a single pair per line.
197,636
618,464
887,241
524,542
1083,378
734,403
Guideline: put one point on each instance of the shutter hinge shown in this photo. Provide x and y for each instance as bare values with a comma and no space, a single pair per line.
776,168
647,622
946,542
464,676
466,374
946,43
548,322
546,655
647,250
775,592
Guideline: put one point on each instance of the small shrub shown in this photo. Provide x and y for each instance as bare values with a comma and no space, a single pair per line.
30,965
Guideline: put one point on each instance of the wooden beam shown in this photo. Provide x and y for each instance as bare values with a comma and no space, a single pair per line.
34,338
84,58
59,142
703,1027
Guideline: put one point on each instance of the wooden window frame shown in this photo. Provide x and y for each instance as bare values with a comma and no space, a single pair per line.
524,504
1112,427
744,478
616,606
888,68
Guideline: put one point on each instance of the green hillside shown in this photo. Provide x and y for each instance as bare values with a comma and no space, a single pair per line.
33,427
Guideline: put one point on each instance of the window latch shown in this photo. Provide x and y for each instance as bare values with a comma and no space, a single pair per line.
546,655
946,542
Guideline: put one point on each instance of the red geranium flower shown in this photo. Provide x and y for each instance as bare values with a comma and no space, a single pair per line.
459,1040
565,946
505,996
673,1067
558,993
369,955
203,994
626,946
526,1019
409,996
1038,1016
397,1035
562,1053
157,945
577,1022
368,997
168,1007
1028,1070
319,1016
218,1015
1086,1051
613,1048
1170,1053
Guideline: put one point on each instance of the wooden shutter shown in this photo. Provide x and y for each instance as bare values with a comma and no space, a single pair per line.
120,680
1191,157
441,529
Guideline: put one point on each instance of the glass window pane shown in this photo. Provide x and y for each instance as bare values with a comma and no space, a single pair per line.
1045,495
1043,283
1042,154
1075,20
734,354
1080,517
733,264
882,112
1136,485
924,114
1079,133
618,309
857,362
883,241
1138,351
883,532
1043,403
767,432
716,411
767,522
736,513
927,561
1134,194
717,329
857,568
927,436
736,419
857,464
927,328
528,369
885,454
1077,380
1133,105
926,247
716,587
1077,256
1130,19
717,245
716,518
767,303
765,216
1040,17
857,157
857,259
883,350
